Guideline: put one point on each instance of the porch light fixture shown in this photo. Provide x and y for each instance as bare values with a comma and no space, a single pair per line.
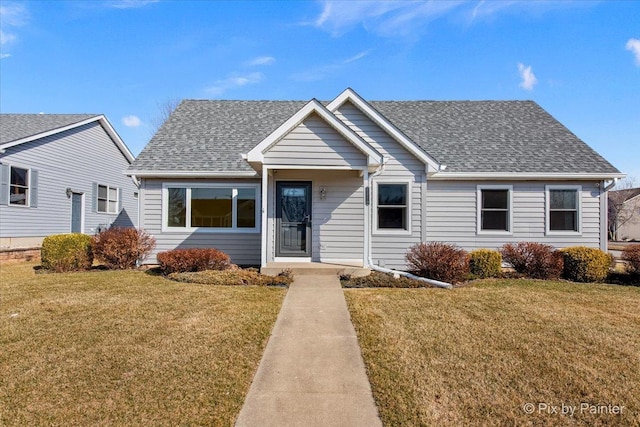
323,193
68,191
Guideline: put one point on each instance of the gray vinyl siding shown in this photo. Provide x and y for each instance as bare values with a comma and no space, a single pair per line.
314,143
72,159
389,250
243,248
338,220
452,215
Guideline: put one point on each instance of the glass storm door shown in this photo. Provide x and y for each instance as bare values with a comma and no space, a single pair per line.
293,219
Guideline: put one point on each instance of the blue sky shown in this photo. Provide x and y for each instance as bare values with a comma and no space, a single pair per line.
123,58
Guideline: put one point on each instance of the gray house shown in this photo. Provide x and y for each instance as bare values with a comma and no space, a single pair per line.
357,182
62,173
624,214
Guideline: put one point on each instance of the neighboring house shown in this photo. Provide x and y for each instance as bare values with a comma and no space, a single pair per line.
357,182
624,214
62,173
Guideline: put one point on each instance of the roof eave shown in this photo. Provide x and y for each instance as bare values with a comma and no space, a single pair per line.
524,176
190,174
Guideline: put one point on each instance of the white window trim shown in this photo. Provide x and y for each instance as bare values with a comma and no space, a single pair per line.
219,230
28,195
374,212
107,212
547,210
479,229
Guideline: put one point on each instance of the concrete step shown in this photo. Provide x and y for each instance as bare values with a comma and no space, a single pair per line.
315,268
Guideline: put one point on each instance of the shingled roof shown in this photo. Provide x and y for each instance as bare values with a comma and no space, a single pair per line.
466,136
14,127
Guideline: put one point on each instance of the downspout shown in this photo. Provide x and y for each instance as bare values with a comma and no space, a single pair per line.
138,184
604,206
396,273
611,185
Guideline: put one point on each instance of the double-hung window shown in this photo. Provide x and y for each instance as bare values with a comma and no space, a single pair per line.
19,187
107,199
393,207
563,209
213,207
494,209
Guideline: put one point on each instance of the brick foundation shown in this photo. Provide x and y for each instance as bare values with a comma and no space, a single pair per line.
22,254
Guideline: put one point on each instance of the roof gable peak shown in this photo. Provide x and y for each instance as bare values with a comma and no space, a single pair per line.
256,154
350,95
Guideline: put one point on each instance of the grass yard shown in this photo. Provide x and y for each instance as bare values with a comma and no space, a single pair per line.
502,352
127,348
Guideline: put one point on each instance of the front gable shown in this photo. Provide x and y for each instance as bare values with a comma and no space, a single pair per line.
314,143
313,131
349,96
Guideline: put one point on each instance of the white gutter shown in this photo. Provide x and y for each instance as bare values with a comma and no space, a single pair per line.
396,273
523,176
191,174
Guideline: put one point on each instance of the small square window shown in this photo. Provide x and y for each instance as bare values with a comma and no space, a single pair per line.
107,199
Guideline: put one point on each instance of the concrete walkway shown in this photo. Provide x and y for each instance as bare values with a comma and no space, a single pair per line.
311,373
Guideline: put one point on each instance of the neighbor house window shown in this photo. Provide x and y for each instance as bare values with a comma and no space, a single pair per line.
392,206
494,209
563,209
19,187
107,199
213,207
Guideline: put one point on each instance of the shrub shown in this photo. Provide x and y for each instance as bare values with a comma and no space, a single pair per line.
381,280
485,263
186,260
438,261
535,260
233,278
121,248
631,254
582,264
66,252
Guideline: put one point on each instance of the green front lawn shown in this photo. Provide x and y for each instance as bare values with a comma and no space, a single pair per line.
477,355
127,348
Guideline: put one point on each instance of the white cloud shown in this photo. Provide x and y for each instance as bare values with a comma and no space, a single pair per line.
221,86
130,4
529,79
4,55
262,60
391,18
322,71
12,15
386,17
131,121
6,37
357,57
633,45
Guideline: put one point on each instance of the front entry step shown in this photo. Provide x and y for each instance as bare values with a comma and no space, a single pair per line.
316,268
